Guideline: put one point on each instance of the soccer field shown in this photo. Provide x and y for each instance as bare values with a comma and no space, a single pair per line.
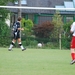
35,62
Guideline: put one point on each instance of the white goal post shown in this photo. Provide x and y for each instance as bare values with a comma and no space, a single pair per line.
40,8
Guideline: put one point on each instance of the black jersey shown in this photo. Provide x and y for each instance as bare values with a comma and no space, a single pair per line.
16,32
16,26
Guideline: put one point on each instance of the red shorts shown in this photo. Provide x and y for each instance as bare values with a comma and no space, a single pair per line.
73,42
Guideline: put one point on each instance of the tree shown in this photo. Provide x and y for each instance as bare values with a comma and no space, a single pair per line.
4,12
58,26
58,23
67,28
4,2
67,35
43,30
27,25
4,28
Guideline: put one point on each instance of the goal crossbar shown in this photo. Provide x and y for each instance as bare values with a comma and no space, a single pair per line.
40,8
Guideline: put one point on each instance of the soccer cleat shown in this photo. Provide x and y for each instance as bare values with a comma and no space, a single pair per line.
72,62
9,49
23,49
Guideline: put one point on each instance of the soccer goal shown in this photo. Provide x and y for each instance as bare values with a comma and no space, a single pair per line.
42,16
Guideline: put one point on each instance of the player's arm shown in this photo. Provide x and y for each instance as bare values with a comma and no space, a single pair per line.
19,28
72,28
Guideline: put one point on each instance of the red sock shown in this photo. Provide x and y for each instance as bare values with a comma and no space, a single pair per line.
73,56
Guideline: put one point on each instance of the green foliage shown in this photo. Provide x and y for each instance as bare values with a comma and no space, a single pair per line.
58,24
4,41
29,42
43,30
27,25
4,2
67,28
4,14
57,19
66,42
51,45
66,38
4,29
4,34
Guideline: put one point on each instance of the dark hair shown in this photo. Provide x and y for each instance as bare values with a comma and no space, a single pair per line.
19,18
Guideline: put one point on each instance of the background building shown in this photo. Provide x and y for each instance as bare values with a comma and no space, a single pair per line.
39,16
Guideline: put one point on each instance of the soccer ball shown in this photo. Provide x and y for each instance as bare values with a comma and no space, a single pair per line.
39,45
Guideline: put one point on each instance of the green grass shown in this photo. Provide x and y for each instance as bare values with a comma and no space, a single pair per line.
35,62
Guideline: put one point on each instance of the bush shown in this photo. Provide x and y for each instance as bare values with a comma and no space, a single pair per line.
66,42
27,25
4,34
30,42
4,41
43,30
67,37
51,45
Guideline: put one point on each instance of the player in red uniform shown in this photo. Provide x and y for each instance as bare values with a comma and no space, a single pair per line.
72,30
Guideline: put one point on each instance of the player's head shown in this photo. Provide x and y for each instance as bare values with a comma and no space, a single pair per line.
19,18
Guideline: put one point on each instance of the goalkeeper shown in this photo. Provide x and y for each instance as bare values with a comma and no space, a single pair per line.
16,33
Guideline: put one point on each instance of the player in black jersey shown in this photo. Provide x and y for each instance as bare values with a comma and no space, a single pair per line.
16,33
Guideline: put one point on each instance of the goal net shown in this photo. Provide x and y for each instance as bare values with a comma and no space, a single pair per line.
40,16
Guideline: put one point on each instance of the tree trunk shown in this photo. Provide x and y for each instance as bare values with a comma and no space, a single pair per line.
60,41
19,10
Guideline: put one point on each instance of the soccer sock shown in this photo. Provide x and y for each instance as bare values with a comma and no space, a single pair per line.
73,56
20,44
11,45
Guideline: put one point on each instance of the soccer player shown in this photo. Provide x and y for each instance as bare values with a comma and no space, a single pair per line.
72,30
16,33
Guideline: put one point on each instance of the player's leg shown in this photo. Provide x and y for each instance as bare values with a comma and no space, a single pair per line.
73,50
20,44
73,55
12,44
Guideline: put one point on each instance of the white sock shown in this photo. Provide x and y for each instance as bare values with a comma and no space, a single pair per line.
22,47
10,46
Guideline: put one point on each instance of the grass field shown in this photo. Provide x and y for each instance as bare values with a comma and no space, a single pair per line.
35,62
